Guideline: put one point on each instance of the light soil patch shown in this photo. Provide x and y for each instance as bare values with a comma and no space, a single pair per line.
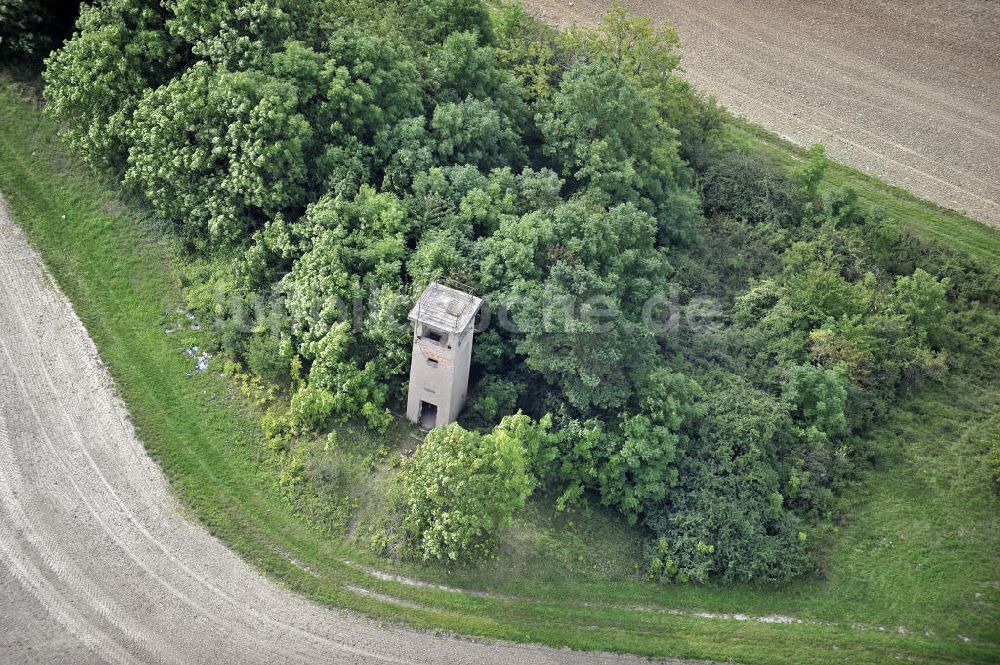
903,91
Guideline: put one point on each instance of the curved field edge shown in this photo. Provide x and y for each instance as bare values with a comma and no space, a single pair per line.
121,282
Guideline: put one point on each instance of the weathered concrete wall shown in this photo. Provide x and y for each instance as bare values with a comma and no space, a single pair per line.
439,374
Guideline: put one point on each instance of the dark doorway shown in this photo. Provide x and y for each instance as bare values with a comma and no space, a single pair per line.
428,415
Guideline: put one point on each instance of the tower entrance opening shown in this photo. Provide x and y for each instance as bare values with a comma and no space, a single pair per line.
428,415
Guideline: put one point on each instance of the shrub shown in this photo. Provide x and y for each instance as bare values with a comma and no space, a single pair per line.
572,466
679,563
460,487
311,407
749,187
267,357
726,516
817,398
495,397
640,468
641,464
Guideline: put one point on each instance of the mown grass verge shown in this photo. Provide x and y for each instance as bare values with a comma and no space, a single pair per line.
918,551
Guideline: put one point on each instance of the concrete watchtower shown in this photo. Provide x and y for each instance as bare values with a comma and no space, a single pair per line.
444,323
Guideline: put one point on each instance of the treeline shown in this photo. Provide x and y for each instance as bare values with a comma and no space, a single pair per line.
322,153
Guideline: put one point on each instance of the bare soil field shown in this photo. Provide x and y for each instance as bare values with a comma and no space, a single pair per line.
904,91
97,564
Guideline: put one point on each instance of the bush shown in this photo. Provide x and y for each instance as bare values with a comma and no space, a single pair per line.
266,359
460,487
640,467
817,398
678,562
311,407
726,516
749,187
494,398
571,467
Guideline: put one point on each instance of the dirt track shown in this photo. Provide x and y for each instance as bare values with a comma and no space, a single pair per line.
905,91
96,563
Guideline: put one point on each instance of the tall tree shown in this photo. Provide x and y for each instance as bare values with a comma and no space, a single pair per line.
605,137
575,279
93,84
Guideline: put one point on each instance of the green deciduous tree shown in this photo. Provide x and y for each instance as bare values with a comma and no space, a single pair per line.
461,486
235,34
438,256
355,252
438,19
575,279
529,49
646,51
639,47
474,132
604,135
370,82
218,152
120,50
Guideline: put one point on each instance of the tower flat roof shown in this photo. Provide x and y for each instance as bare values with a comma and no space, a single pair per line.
444,308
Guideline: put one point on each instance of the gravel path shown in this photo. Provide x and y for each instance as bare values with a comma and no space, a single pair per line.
908,91
96,563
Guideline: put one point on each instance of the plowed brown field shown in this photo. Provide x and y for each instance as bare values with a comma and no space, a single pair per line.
907,91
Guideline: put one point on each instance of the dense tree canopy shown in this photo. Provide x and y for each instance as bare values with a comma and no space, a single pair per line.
607,139
694,335
120,51
575,279
220,150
